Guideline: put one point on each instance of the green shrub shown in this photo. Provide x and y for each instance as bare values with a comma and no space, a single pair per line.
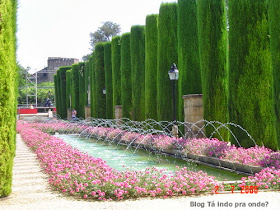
212,35
251,101
58,94
151,44
274,27
82,91
116,70
108,80
8,93
137,57
188,53
99,81
167,55
126,85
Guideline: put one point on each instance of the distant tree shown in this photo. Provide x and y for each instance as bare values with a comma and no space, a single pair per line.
104,33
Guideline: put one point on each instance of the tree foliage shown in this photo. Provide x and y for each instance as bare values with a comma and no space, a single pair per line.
104,33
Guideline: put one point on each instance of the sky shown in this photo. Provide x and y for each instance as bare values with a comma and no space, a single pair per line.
61,28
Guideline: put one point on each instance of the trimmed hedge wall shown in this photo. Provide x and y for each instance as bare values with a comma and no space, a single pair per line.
75,88
126,84
274,27
99,80
108,80
137,56
188,53
212,35
251,101
167,55
116,71
62,91
68,87
151,44
8,93
82,90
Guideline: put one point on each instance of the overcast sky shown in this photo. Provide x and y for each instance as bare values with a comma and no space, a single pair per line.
60,28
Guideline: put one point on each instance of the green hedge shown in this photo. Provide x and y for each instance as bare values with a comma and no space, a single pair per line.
68,87
126,84
188,52
274,26
212,35
137,56
75,88
151,44
167,55
8,93
251,101
82,90
99,80
116,71
108,80
63,97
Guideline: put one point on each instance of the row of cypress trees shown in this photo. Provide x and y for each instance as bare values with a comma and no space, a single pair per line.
8,93
229,55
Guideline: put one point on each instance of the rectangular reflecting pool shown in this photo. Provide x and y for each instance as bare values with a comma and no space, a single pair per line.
118,156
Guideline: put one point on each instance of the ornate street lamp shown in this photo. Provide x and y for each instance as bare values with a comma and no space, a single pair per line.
173,76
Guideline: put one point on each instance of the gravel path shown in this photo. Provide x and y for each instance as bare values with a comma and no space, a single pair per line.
31,191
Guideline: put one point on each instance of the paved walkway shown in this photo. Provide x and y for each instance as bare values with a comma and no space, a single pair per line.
31,191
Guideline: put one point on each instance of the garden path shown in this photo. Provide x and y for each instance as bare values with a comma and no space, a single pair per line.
32,191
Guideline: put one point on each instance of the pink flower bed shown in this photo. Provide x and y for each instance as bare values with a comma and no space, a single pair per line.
266,179
82,175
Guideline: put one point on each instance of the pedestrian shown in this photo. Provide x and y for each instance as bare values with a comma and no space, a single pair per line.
74,114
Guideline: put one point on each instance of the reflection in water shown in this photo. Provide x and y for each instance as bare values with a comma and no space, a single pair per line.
119,156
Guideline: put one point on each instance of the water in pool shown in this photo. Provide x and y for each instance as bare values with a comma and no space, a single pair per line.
117,156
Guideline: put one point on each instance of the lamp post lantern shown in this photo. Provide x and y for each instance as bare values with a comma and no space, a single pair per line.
173,74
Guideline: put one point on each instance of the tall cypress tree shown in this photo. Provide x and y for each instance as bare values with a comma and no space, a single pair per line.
137,55
92,86
82,91
87,81
108,80
61,73
188,52
212,36
251,101
167,55
151,45
99,80
68,87
75,88
126,84
58,94
116,70
274,27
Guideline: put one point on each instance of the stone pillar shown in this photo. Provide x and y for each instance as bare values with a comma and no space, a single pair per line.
69,114
175,131
193,109
118,114
87,112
